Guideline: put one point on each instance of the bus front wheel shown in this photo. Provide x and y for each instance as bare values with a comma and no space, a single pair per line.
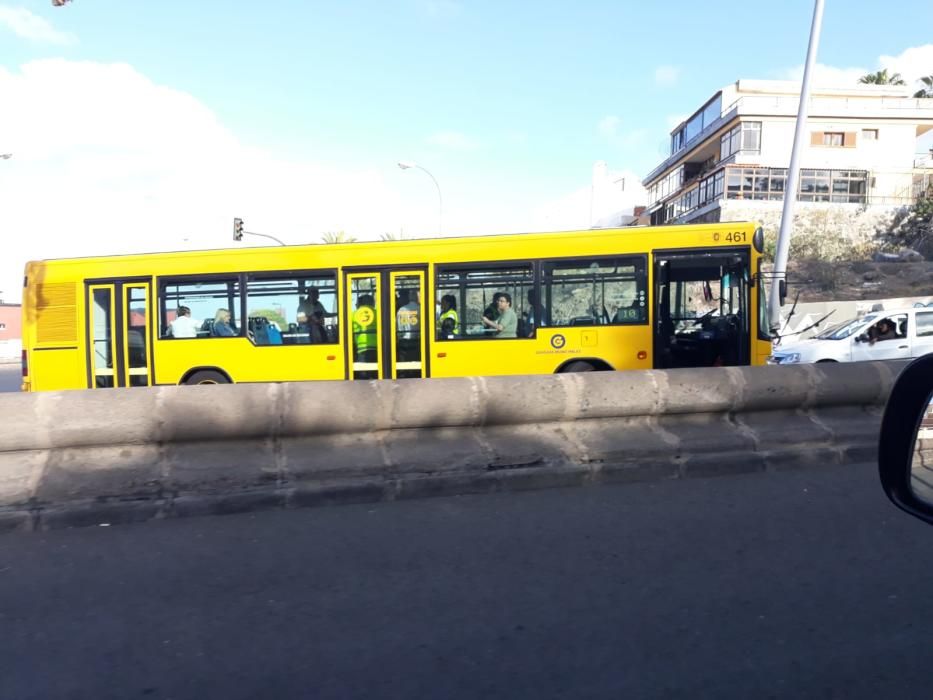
207,376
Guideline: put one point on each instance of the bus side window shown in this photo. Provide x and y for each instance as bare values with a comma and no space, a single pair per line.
473,290
189,308
296,309
596,292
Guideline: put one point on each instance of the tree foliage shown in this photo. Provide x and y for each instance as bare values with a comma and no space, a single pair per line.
927,90
337,237
881,77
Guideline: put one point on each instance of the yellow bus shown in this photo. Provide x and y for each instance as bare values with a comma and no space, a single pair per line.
612,299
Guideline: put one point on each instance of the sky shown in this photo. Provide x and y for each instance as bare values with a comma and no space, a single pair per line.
138,126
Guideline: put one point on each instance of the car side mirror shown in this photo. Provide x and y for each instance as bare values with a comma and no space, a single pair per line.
905,450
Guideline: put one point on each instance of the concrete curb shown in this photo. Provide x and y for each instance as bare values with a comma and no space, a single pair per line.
285,446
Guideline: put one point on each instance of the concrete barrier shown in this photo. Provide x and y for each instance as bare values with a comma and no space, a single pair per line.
72,458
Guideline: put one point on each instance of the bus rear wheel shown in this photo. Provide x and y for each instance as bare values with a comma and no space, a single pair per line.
579,366
207,376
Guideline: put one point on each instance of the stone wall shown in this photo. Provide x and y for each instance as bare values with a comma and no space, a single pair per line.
821,230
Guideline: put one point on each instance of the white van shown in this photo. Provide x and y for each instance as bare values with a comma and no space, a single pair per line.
851,341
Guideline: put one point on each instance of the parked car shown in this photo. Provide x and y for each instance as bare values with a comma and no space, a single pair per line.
910,335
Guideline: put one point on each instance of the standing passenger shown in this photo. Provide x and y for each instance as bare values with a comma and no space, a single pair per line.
449,320
506,323
365,334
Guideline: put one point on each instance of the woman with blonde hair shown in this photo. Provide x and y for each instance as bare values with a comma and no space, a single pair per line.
222,327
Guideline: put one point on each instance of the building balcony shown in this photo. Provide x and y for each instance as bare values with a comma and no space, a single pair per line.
855,187
696,149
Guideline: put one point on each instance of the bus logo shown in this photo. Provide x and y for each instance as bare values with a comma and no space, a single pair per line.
558,341
365,316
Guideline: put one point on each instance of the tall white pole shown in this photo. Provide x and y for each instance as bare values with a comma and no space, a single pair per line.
778,282
440,202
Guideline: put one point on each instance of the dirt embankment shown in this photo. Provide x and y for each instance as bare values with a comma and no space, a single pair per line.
857,281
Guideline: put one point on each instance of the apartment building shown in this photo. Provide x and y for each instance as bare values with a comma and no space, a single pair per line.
861,158
11,332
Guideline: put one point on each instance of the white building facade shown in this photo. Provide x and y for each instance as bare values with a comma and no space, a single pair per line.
861,161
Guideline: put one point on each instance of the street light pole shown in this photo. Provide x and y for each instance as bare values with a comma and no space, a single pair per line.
405,165
779,279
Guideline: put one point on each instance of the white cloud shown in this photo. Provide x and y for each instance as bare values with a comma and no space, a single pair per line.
26,25
912,63
609,129
824,75
600,203
666,75
106,161
452,140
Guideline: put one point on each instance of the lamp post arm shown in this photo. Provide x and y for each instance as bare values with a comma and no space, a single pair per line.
264,235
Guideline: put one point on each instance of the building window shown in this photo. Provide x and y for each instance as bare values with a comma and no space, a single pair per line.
744,138
833,138
606,291
870,134
841,186
2,326
849,186
814,186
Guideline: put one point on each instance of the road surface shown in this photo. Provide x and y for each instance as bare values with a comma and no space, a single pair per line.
796,585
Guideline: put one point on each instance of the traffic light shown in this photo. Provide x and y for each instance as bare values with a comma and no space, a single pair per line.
238,229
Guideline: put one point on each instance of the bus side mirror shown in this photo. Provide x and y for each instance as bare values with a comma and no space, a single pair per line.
905,450
782,290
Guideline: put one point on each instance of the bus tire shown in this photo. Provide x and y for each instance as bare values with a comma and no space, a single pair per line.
207,376
579,366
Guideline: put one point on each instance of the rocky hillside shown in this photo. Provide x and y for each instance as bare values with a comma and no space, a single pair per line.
856,281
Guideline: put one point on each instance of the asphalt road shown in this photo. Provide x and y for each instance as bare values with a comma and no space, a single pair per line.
10,377
796,585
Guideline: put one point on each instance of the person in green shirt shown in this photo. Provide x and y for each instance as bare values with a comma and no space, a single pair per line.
506,323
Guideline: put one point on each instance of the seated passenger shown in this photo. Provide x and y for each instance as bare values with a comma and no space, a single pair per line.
506,323
184,326
221,326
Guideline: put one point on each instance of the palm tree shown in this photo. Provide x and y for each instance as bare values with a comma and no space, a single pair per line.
881,77
927,89
389,236
337,237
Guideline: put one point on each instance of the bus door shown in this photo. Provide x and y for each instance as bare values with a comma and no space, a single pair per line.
702,304
119,342
387,337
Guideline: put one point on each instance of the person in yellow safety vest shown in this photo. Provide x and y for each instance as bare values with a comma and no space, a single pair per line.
365,334
448,322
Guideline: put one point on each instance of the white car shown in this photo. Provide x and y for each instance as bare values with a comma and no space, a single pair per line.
850,341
